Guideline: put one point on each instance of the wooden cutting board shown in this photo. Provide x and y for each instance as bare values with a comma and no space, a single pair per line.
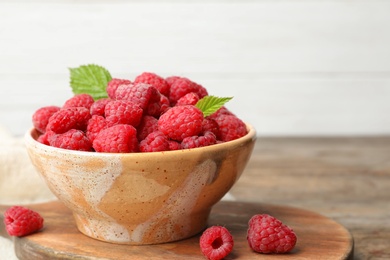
318,237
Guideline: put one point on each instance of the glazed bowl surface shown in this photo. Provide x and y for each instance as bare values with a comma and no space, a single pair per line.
141,198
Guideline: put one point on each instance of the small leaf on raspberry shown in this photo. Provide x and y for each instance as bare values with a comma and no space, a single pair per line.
90,79
210,104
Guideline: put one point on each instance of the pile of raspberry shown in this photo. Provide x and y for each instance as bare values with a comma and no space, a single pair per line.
147,114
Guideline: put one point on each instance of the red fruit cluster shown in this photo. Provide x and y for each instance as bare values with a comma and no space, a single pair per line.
147,114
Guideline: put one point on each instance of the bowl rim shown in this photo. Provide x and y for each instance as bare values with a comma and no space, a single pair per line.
249,137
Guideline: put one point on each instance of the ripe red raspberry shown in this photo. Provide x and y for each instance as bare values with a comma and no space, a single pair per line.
95,125
165,104
201,91
113,84
266,234
199,141
72,140
123,112
122,91
172,79
210,125
230,127
180,122
117,139
20,221
140,93
173,145
148,125
69,118
41,117
183,86
222,111
45,137
153,109
79,100
188,99
98,106
155,80
216,242
154,142
156,109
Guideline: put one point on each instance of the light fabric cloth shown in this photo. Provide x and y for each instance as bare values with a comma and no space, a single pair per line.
19,183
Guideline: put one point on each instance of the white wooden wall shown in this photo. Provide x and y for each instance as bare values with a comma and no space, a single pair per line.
294,67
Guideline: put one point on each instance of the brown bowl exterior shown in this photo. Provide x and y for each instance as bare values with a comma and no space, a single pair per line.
141,198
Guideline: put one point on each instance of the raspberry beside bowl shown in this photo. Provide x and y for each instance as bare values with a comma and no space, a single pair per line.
141,198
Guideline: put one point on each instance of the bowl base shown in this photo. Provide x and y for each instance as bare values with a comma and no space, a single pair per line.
157,231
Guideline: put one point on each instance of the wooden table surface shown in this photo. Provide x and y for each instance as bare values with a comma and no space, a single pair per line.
346,179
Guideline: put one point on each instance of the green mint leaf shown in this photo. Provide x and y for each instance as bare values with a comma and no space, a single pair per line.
90,79
210,104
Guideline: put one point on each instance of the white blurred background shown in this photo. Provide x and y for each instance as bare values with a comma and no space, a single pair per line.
294,67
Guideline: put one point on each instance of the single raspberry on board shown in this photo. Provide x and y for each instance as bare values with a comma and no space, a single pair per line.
230,127
188,99
98,106
69,118
41,117
72,140
148,125
183,86
117,139
113,84
180,122
198,141
155,80
266,234
95,125
20,221
79,100
154,142
123,112
216,242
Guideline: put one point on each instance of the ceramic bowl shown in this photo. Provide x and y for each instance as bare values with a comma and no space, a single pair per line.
141,198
